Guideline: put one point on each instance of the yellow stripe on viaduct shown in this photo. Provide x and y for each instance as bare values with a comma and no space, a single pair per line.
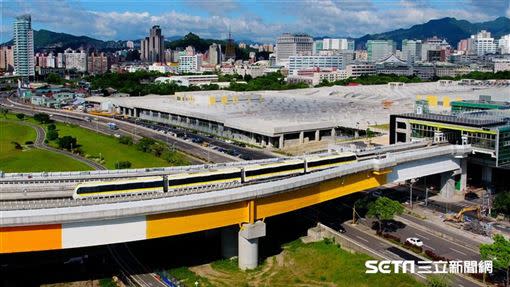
48,237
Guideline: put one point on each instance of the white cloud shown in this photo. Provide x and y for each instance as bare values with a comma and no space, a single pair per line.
317,17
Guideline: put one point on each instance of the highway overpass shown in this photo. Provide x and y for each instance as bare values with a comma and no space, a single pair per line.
34,225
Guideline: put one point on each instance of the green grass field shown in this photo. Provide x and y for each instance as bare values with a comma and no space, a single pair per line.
111,150
29,159
315,264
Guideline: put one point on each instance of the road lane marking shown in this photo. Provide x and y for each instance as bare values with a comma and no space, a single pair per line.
359,237
429,247
420,235
458,251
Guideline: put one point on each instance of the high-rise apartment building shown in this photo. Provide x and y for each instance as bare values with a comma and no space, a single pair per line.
153,47
76,60
484,43
97,63
214,54
380,49
293,45
504,44
6,58
23,46
337,44
230,49
190,64
411,50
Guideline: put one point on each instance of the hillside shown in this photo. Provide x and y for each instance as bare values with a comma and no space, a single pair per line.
450,28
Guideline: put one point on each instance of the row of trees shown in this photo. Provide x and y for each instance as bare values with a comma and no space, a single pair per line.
156,148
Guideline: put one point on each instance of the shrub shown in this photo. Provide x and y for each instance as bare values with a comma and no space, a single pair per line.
434,256
17,145
391,237
413,248
20,116
126,140
42,118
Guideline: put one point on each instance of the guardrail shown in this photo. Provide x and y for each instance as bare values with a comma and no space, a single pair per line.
38,212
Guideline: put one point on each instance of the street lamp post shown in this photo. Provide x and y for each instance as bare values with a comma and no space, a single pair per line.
411,183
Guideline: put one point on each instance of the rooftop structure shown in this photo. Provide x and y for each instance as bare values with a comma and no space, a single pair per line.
294,116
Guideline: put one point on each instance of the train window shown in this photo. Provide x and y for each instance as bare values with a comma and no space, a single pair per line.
204,179
331,161
119,186
264,170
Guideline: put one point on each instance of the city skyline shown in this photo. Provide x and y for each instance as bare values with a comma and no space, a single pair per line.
258,21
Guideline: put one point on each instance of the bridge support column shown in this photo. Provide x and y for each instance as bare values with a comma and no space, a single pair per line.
249,244
356,134
228,242
301,137
280,142
463,175
447,185
486,175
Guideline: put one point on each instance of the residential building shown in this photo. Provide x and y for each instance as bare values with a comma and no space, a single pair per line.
230,49
161,68
357,70
242,45
301,62
130,44
188,80
484,43
97,63
504,44
7,58
411,50
214,54
61,60
190,51
190,64
337,44
76,60
152,47
317,47
315,76
501,65
51,60
380,49
293,45
23,46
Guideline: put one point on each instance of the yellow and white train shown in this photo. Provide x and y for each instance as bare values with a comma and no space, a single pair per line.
241,174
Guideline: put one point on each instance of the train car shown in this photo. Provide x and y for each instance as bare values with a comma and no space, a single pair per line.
109,188
327,161
183,180
274,169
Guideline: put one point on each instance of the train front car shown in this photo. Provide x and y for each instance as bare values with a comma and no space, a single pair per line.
208,177
328,161
275,169
117,187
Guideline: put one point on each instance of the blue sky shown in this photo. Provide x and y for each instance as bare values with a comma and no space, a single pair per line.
259,20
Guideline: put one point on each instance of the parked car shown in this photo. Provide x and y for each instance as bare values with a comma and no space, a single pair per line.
415,241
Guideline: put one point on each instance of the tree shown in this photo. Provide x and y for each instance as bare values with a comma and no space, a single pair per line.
67,142
144,144
384,209
51,127
127,140
122,164
499,253
52,135
502,203
20,116
4,112
53,78
42,118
